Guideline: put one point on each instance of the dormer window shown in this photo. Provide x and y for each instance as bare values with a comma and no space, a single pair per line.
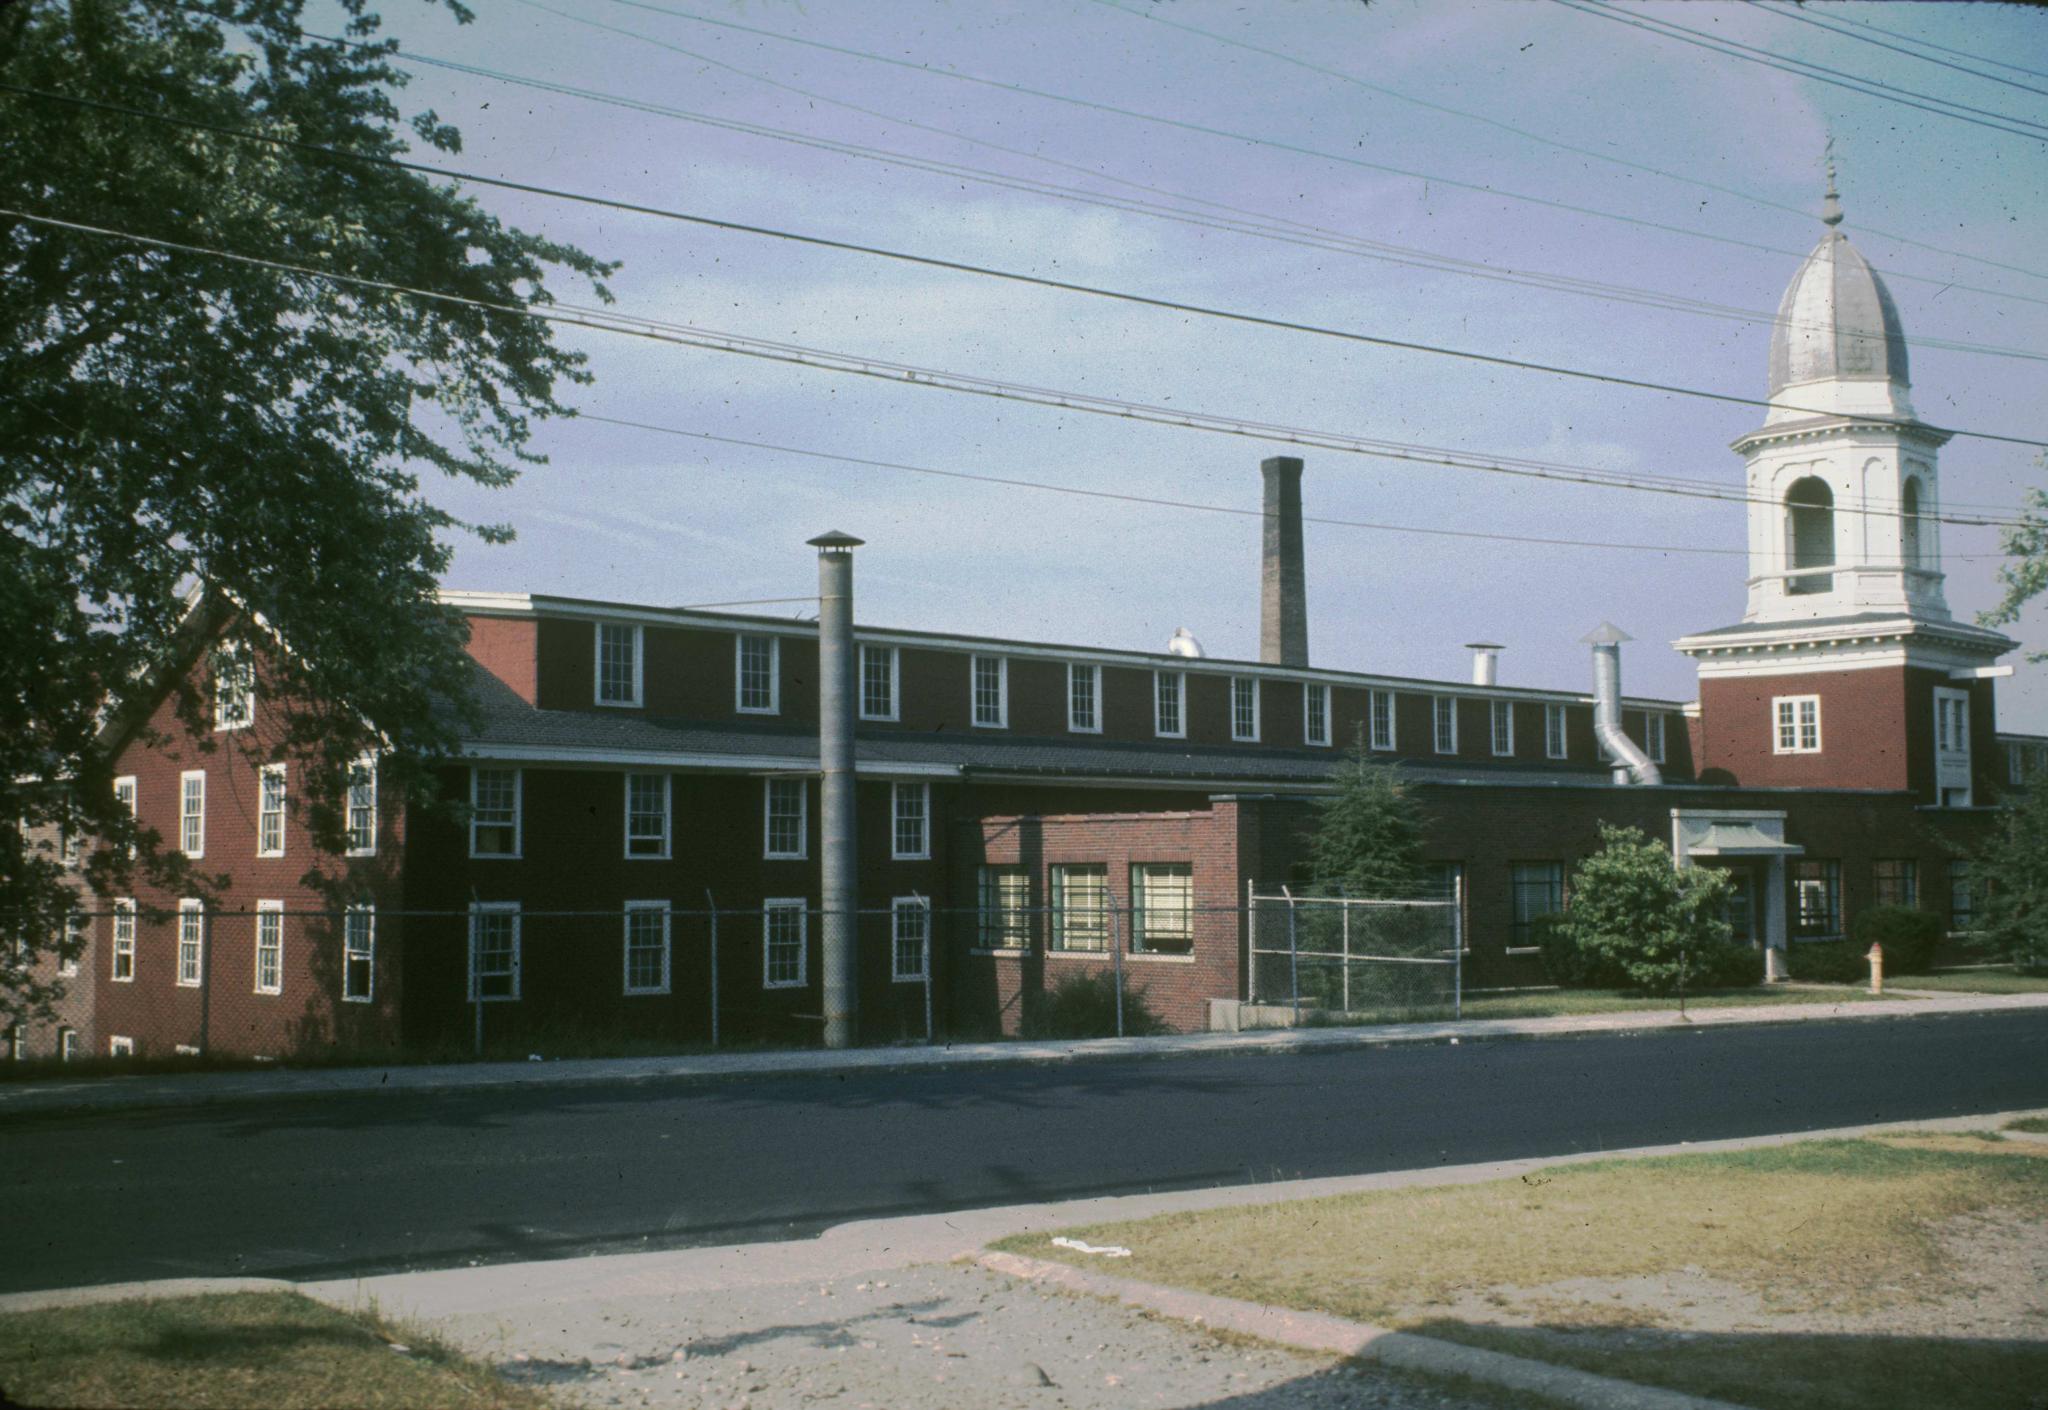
1244,709
1810,536
757,675
618,664
234,689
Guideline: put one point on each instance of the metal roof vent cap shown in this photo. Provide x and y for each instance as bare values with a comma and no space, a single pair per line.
1184,644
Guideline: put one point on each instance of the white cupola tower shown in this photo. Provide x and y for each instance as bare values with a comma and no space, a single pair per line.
1842,477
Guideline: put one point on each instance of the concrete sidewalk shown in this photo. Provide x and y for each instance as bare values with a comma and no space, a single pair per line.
201,1088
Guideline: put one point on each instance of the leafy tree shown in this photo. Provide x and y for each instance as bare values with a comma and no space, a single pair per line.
2009,876
1634,913
1368,841
2025,577
192,442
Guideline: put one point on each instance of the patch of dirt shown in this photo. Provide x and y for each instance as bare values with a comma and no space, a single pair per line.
1998,1289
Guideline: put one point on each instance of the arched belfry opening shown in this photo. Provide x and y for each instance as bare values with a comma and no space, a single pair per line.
1910,540
1810,535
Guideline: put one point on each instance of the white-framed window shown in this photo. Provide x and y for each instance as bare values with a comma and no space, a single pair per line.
270,811
785,820
757,674
1244,709
1169,692
122,965
1653,733
1553,732
495,824
785,945
67,1044
648,827
1379,709
991,677
362,807
911,809
647,947
617,668
192,812
118,1046
910,939
1162,908
77,936
191,942
1080,907
1444,723
358,954
1504,729
17,1043
234,689
1951,721
880,680
493,951
1003,921
1798,724
1315,714
1084,698
129,797
270,947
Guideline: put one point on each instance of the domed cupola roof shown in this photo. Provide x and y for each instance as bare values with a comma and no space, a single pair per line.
1837,321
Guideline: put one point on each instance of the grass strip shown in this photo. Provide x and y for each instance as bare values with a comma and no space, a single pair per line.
1821,1228
237,1351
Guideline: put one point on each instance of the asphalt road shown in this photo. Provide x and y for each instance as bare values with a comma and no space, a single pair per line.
340,1185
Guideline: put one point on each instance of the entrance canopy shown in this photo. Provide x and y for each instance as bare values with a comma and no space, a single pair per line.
1740,839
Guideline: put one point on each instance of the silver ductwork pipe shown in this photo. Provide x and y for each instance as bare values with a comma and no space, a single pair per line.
839,863
1631,764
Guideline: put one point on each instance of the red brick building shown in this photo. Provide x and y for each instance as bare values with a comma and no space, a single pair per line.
1028,811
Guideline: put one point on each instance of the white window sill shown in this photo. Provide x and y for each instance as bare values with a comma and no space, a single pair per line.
646,993
910,856
1523,950
268,993
1014,952
906,979
757,709
493,857
1073,728
785,856
486,999
618,704
355,998
795,984
1140,957
120,979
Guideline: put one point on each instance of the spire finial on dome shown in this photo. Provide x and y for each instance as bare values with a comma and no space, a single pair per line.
1831,205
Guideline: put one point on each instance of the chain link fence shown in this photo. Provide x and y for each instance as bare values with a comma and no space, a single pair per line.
1347,955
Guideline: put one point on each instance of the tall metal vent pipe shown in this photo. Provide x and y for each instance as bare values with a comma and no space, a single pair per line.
1631,764
839,865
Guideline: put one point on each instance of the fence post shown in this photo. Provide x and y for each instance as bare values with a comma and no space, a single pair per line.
1116,955
1251,941
711,904
1344,910
1458,952
927,963
1293,957
476,991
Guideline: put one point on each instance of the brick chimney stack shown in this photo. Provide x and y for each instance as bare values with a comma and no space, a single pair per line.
1283,591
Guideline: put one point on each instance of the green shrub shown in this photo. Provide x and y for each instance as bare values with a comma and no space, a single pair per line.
1664,927
1909,937
1734,966
1567,964
1826,962
1084,1006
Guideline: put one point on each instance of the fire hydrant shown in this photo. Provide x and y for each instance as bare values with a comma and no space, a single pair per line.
1876,958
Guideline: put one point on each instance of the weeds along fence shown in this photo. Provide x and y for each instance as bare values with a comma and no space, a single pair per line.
504,979
1347,955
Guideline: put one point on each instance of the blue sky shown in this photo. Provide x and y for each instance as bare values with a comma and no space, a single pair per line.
636,516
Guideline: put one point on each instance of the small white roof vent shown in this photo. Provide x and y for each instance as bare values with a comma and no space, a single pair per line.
1184,643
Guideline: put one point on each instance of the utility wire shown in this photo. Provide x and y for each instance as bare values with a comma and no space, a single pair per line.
1215,132
688,335
1895,48
1930,44
1017,277
1818,73
1157,16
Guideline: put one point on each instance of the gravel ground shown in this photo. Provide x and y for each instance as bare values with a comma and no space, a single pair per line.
934,1338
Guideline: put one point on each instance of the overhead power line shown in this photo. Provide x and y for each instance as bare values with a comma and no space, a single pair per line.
1819,73
1895,48
1018,277
1943,48
1431,178
1157,15
822,359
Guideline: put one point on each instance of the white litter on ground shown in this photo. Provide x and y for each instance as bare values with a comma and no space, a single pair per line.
1107,1251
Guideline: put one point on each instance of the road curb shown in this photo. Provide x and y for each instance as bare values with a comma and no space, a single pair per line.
1339,1336
138,1292
202,1089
